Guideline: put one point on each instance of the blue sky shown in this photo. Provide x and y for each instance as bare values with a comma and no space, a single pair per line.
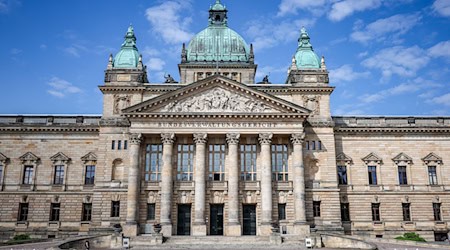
385,57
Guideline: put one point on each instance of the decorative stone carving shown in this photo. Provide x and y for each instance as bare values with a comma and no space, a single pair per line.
233,138
3,158
152,197
218,100
316,197
218,197
372,157
60,158
249,198
265,138
282,197
376,199
297,138
185,197
406,199
432,157
402,158
200,138
29,158
344,199
168,138
87,199
89,157
56,199
136,139
312,103
437,199
121,102
24,199
115,197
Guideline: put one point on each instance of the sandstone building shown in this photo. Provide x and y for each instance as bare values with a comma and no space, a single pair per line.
221,154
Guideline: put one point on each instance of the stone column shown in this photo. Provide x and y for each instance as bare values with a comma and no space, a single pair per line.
266,183
199,225
234,225
167,184
131,227
300,226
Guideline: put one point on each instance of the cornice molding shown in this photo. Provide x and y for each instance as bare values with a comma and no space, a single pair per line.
392,130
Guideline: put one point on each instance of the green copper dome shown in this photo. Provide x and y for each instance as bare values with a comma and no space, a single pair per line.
128,57
217,41
305,57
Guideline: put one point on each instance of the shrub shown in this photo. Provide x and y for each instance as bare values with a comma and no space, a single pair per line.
411,236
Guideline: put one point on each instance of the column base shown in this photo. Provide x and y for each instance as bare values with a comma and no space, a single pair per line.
302,229
166,230
199,229
233,229
130,229
265,229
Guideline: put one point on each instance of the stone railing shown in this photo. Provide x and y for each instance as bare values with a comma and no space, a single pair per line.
61,120
353,121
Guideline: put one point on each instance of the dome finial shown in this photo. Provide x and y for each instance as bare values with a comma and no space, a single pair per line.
305,57
128,57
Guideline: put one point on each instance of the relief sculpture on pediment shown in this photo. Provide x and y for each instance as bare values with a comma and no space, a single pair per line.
217,100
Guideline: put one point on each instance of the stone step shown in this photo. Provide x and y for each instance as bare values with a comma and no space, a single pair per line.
210,240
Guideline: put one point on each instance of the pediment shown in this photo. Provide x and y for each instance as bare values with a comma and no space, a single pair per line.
89,157
216,95
402,157
343,158
3,158
60,157
372,157
432,157
29,157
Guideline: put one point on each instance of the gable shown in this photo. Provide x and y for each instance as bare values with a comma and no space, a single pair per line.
372,157
432,157
402,157
216,95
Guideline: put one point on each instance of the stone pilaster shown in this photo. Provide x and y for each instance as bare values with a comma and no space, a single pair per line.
167,184
233,225
266,183
199,225
131,227
300,225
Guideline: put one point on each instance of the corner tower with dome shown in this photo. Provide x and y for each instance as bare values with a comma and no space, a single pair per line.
217,50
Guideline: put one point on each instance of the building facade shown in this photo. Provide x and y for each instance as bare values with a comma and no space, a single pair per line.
218,154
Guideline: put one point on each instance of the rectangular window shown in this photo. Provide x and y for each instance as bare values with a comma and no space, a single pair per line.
312,145
23,212
58,177
119,145
432,175
280,162
113,144
375,211
89,175
28,175
372,175
1,174
185,162
437,211
406,211
55,208
319,145
153,162
87,212
248,162
151,211
281,211
216,161
115,208
342,175
402,180
316,208
307,145
125,145
345,212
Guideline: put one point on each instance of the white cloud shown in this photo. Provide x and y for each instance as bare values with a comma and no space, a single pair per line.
443,100
155,64
166,21
60,87
267,34
345,73
269,70
292,6
442,7
7,5
395,25
75,50
441,49
342,9
15,51
398,60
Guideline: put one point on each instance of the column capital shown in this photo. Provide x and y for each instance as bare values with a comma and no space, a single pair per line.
200,138
297,138
135,139
265,138
168,138
233,138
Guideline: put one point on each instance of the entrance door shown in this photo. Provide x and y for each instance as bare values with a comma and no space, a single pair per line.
216,222
249,219
184,220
